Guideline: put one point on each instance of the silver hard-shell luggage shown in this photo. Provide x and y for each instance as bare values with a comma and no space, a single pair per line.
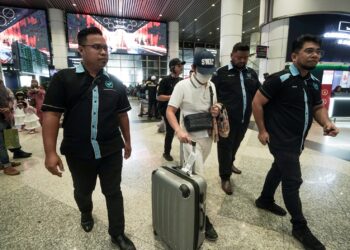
178,207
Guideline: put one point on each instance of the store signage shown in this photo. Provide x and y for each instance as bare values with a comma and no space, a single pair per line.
261,51
344,26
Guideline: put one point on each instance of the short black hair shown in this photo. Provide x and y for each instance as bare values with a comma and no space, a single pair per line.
88,31
240,47
299,42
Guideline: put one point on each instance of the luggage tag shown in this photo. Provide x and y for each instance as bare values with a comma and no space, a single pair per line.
188,165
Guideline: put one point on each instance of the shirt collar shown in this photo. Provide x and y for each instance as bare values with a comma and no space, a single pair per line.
294,70
80,69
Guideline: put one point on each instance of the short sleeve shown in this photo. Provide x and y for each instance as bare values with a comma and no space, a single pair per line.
316,94
177,96
162,87
123,102
55,96
270,87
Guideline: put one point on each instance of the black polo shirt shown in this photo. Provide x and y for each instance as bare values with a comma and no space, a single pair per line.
91,107
288,114
236,89
166,87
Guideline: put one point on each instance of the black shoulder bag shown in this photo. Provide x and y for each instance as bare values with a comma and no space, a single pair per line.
200,121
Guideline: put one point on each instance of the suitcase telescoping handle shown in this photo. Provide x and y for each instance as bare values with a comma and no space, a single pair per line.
187,166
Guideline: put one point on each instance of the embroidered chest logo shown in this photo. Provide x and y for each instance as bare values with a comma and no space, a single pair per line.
109,84
315,86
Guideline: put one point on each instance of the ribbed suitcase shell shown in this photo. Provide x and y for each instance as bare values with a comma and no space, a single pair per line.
178,208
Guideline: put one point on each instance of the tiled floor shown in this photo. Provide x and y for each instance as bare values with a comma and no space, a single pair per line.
37,210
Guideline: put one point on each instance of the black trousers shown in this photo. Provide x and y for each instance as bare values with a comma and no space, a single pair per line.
108,169
169,134
227,148
152,108
285,169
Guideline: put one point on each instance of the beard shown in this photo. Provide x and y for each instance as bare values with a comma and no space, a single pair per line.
308,67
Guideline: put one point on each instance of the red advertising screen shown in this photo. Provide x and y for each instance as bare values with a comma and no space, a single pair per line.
123,36
27,26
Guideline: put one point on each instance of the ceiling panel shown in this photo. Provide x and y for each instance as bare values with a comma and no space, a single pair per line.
183,11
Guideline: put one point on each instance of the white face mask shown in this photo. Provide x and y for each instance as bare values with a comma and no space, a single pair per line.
202,78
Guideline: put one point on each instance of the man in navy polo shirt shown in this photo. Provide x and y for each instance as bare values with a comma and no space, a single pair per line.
284,108
95,106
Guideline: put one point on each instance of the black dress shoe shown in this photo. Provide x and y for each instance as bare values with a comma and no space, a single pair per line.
309,241
123,242
87,222
272,207
227,187
211,234
21,154
168,157
236,170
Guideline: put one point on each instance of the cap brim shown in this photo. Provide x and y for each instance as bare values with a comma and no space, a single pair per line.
206,71
183,63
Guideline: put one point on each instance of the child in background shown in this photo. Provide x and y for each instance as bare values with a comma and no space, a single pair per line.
19,115
31,120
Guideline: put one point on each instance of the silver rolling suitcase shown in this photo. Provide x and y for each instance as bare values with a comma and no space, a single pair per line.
178,207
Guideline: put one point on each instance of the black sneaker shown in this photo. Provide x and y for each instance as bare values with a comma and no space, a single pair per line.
21,154
210,233
87,222
168,157
272,207
309,241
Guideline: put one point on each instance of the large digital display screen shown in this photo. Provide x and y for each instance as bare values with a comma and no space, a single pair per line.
27,26
334,30
123,36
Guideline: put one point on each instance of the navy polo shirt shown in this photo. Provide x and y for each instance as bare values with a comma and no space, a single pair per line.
91,107
289,112
236,89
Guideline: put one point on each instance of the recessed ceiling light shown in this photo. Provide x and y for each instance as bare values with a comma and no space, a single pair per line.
195,19
160,15
213,5
183,29
249,11
74,4
253,28
198,39
243,32
210,33
218,28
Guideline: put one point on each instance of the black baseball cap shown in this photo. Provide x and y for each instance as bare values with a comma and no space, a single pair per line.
205,62
175,61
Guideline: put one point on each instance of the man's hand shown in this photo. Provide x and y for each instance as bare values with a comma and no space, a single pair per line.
264,137
127,150
54,164
183,136
329,129
215,111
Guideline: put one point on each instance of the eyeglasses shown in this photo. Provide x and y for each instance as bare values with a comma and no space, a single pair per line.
97,46
311,51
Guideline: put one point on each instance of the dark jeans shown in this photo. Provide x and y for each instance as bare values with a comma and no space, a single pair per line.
108,169
227,149
4,157
169,135
285,169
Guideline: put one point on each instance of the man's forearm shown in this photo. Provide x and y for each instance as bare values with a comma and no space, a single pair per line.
163,98
321,116
171,117
258,113
125,126
51,124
